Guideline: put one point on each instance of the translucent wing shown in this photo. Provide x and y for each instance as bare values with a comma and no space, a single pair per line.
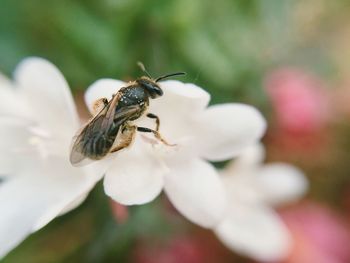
97,132
77,154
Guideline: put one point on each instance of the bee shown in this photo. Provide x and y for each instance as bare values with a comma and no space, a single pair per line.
114,119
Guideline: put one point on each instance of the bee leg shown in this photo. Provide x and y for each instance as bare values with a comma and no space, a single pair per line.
153,116
99,105
156,134
128,134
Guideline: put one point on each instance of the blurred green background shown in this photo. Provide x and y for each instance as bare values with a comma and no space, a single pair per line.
226,47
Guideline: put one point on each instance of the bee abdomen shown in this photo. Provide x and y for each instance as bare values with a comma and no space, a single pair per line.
98,147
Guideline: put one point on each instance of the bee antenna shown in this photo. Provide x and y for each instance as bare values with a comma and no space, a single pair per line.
170,75
142,67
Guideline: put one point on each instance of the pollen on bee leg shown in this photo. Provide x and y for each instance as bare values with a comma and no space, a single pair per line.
99,105
125,139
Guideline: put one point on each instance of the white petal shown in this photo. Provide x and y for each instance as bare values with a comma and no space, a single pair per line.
226,129
256,232
5,82
92,174
248,161
7,91
103,88
136,177
10,104
72,205
252,155
281,183
15,145
184,96
194,188
31,200
47,93
178,109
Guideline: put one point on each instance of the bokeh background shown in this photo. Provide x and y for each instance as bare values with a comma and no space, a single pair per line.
291,59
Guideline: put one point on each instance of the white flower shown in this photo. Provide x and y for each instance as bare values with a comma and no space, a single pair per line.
138,174
37,121
251,226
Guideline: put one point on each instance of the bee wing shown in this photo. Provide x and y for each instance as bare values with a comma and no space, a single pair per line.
102,121
79,140
96,123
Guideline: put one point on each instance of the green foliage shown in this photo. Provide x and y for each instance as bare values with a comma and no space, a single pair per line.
225,47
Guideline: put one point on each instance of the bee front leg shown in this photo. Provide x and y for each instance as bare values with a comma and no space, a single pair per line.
156,134
99,105
153,116
128,134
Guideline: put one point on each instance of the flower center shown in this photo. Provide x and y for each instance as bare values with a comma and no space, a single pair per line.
43,143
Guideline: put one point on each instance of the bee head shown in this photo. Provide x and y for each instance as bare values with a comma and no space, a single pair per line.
150,86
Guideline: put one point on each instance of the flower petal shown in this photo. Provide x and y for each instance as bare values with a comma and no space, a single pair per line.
254,231
5,82
179,102
185,97
7,95
281,183
195,189
73,204
46,91
103,88
29,201
226,129
177,109
248,161
135,177
9,100
15,146
95,171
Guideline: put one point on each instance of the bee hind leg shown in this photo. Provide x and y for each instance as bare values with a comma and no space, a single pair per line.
99,105
153,116
156,134
128,134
